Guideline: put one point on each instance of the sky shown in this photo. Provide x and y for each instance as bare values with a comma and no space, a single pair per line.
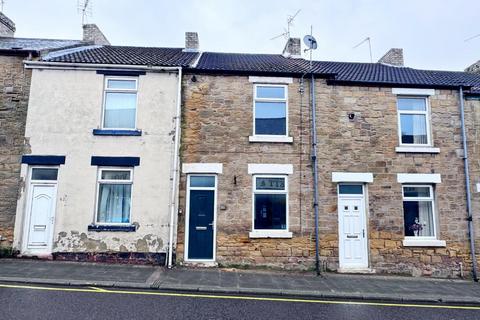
431,32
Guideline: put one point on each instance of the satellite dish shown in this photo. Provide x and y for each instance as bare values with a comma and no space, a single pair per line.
310,42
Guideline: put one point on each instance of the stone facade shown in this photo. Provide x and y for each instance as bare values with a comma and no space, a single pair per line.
14,91
217,120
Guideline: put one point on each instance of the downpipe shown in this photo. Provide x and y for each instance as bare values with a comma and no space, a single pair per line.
471,232
175,173
315,171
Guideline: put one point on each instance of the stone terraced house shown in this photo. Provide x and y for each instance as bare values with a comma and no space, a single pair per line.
390,154
117,178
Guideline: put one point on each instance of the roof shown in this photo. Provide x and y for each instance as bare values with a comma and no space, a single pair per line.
26,45
338,72
353,73
246,62
122,55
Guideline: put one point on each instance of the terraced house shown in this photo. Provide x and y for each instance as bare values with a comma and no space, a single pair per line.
14,93
103,130
170,154
392,194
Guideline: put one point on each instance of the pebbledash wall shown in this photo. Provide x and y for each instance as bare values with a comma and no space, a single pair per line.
217,121
65,106
14,90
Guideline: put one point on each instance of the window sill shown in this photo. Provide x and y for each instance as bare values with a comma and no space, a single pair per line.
107,132
417,150
274,139
270,234
424,243
112,228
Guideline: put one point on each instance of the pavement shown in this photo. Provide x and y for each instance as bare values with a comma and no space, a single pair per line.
234,281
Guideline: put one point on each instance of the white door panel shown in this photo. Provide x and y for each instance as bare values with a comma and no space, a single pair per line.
42,206
353,249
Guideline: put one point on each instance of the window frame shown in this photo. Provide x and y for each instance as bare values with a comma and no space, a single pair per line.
285,191
106,90
36,181
285,100
425,199
106,181
414,112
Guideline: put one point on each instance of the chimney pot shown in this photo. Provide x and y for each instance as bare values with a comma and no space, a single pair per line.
191,42
92,33
393,57
293,48
7,26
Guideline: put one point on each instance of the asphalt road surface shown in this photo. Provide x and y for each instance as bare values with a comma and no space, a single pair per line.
43,302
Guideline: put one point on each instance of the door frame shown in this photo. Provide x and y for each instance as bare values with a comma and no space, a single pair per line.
363,197
26,225
187,216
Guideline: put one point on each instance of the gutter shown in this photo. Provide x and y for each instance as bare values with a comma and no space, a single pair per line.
175,173
92,66
467,186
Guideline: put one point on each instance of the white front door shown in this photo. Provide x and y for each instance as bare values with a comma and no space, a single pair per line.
40,211
353,245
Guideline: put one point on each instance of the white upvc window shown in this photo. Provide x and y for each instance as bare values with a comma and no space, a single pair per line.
114,195
120,103
419,212
270,109
413,121
270,203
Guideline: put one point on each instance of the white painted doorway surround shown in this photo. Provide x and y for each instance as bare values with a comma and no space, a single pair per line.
40,211
352,227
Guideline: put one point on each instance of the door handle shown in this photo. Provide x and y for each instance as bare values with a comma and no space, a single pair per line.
363,231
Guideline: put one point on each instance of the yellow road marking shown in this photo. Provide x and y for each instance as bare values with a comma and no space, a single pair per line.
207,296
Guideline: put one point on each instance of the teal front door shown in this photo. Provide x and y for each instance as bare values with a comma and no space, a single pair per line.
201,218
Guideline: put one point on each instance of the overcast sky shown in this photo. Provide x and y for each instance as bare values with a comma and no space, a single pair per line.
431,32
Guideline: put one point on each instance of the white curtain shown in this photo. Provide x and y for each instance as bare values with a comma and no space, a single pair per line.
425,217
114,203
419,126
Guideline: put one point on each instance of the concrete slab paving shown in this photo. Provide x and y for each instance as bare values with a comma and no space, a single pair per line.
211,280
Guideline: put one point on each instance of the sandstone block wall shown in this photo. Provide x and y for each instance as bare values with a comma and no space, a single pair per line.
14,92
217,118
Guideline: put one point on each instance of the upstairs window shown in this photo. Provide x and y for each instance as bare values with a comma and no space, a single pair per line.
120,105
270,110
418,211
414,126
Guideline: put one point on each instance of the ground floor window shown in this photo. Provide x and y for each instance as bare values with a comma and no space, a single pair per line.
114,195
270,203
418,211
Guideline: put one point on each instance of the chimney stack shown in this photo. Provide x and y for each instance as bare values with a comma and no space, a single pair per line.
474,68
191,42
293,48
7,27
92,33
393,57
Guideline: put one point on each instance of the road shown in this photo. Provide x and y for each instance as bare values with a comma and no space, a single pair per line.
43,302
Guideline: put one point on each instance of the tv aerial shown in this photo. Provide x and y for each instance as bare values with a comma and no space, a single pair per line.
472,37
85,8
367,39
286,33
2,3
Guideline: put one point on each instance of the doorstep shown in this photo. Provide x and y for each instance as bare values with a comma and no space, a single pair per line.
357,270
